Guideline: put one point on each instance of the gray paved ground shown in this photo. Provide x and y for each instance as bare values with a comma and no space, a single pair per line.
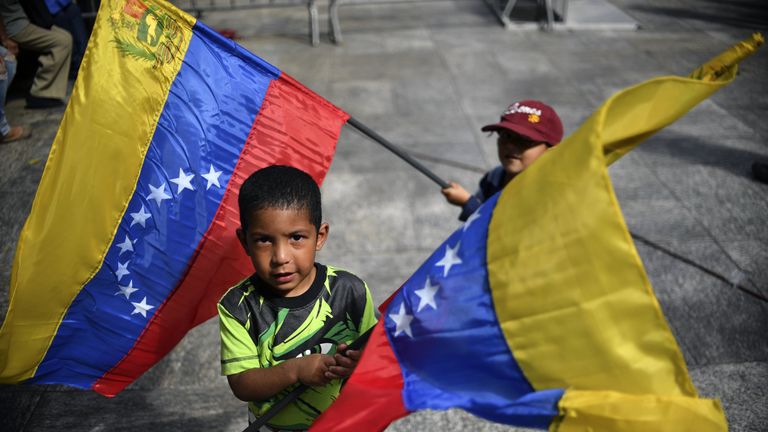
427,76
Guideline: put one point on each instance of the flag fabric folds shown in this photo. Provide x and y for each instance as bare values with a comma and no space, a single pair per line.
130,241
537,312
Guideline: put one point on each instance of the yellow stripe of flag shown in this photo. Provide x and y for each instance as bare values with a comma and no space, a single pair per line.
569,288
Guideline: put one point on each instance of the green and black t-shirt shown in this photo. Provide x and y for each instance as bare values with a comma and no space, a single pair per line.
259,330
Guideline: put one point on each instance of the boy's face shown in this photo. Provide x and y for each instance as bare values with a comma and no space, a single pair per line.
282,244
516,153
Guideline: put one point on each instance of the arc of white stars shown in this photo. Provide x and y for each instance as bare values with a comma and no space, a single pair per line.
141,307
450,258
158,194
402,321
212,177
125,246
427,295
183,181
122,270
140,217
126,290
473,217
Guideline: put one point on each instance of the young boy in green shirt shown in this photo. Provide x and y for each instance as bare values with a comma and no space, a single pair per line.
288,323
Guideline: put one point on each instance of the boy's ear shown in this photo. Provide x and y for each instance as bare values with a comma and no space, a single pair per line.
322,236
243,242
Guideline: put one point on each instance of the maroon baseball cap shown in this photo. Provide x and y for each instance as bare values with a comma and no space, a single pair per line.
532,119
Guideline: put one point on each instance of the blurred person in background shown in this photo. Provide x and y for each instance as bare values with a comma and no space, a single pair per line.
54,45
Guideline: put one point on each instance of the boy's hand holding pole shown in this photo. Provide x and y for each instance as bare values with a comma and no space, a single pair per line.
456,194
320,369
314,370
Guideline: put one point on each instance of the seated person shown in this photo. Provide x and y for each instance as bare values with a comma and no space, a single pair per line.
49,88
8,133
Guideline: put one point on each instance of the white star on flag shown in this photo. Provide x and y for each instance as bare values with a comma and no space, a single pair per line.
450,258
158,194
183,181
473,217
140,217
427,295
212,177
141,307
126,290
125,246
403,321
122,270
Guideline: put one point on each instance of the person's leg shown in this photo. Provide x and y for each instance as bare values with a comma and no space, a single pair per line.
8,133
55,46
70,19
9,64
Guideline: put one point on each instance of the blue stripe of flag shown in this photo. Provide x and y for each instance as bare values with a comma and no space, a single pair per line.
457,355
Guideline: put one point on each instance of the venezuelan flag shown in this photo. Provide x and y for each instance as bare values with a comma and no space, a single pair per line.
130,241
537,312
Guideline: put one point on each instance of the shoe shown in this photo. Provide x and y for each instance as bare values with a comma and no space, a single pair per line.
16,133
34,102
760,171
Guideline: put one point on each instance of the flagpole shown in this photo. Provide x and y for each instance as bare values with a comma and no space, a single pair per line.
397,151
357,344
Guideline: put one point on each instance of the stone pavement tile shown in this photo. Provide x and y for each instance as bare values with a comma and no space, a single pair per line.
633,181
383,17
372,66
455,420
17,405
369,98
661,220
384,224
194,363
729,207
713,323
740,387
162,409
481,38
711,121
670,150
751,257
394,41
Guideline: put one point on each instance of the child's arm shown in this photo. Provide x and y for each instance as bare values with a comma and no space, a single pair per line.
263,383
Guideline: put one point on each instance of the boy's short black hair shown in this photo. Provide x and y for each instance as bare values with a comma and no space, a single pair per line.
280,187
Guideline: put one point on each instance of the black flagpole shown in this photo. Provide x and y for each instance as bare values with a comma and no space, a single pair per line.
398,151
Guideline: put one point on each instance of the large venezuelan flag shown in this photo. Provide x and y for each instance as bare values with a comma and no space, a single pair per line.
130,241
537,312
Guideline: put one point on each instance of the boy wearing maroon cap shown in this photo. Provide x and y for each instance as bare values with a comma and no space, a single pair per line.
526,130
